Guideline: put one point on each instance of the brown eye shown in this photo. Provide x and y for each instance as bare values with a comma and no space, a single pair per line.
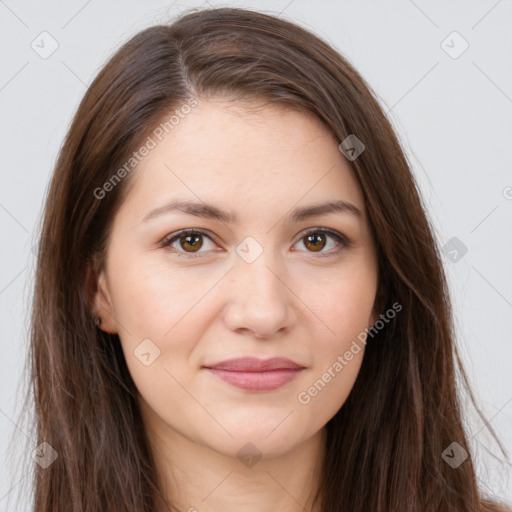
191,243
315,242
325,242
188,243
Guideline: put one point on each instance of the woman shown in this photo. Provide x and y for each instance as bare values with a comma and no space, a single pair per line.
239,300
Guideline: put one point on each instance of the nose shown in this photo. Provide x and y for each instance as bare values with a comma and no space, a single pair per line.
260,301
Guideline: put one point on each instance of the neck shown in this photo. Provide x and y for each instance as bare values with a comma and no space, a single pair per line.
196,478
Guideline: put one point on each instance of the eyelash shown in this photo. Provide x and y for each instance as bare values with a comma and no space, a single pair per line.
343,241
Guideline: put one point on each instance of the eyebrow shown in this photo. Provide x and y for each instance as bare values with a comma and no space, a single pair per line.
210,211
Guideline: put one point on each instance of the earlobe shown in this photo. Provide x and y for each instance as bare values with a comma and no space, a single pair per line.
378,304
374,316
103,306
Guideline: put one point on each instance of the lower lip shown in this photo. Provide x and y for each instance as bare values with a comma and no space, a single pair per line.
257,381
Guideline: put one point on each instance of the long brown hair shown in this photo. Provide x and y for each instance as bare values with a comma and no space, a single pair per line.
385,445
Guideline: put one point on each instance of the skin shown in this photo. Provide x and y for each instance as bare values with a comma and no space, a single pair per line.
290,302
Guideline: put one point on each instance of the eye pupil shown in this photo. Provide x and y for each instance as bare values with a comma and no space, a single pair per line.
187,240
313,239
192,241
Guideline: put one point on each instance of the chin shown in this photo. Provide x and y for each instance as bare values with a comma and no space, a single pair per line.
269,442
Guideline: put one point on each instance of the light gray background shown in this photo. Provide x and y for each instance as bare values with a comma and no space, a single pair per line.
454,116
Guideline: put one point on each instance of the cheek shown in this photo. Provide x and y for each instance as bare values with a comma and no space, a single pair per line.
152,297
160,317
338,355
345,303
326,392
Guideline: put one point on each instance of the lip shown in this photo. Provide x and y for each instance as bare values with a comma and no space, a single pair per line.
255,374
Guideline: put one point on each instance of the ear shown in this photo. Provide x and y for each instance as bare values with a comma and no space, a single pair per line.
378,304
374,316
101,302
103,305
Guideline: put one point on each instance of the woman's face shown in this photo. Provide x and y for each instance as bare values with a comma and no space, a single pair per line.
250,281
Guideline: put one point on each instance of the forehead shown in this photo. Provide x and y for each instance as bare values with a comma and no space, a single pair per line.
245,155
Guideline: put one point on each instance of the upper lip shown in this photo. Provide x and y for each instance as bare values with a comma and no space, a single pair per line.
253,364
